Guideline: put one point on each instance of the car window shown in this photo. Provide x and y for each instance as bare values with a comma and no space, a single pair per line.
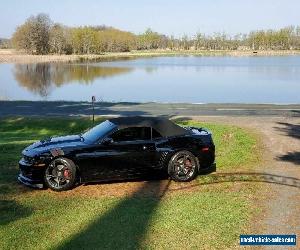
132,134
155,134
99,131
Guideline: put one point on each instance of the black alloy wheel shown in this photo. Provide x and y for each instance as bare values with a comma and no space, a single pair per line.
60,175
183,166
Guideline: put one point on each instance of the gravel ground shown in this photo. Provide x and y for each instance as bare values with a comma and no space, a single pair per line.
281,206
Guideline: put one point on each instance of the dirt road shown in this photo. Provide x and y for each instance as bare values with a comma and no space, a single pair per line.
63,108
281,138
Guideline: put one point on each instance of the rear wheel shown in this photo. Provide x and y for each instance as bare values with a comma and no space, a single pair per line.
183,166
60,175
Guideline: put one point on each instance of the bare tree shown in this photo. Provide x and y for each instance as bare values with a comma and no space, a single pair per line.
33,35
57,39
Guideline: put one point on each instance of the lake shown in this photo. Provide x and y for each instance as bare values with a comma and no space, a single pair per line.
188,79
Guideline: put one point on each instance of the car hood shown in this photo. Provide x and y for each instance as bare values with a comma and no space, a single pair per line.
53,143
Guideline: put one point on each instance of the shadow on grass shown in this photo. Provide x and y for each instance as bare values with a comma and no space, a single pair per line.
242,177
123,227
293,157
10,154
15,129
11,211
291,130
295,113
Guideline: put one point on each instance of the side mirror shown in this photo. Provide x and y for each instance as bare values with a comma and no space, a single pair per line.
107,141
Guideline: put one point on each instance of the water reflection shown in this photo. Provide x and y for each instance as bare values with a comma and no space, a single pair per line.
36,78
160,79
40,78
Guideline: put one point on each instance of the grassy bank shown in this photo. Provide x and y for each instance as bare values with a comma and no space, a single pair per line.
206,216
12,56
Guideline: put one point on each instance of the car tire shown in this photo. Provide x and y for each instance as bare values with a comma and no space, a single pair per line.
183,166
60,175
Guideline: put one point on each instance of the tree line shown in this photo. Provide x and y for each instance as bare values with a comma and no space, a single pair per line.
5,43
40,35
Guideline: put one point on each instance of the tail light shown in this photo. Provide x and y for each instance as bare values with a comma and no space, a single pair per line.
205,149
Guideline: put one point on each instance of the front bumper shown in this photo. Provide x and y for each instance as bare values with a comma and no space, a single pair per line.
30,175
29,182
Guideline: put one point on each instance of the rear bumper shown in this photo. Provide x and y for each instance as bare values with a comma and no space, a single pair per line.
210,169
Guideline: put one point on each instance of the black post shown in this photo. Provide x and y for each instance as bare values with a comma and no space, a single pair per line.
93,102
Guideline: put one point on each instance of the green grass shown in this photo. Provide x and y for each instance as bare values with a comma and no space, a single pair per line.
209,216
235,146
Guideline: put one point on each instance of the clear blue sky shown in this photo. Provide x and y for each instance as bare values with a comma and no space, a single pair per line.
172,17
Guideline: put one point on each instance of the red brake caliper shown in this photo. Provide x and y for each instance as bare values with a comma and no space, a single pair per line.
188,164
67,173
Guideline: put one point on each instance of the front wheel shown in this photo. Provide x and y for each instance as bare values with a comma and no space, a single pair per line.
60,175
183,166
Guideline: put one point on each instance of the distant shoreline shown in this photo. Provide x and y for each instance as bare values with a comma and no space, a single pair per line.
11,56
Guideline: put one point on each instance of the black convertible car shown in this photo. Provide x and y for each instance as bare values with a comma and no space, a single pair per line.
118,149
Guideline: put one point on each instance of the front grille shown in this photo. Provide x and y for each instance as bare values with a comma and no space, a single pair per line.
27,173
31,173
28,159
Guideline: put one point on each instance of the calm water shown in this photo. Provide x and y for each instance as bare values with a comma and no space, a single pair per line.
160,79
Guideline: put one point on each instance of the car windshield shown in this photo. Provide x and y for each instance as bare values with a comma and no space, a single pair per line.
99,131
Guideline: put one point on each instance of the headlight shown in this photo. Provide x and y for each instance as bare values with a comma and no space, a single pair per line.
39,159
28,159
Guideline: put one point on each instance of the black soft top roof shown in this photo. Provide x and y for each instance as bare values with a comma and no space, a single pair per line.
162,125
